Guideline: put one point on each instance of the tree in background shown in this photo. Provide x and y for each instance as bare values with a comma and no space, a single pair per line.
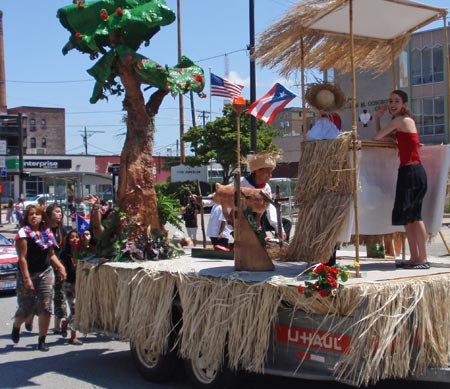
115,29
218,141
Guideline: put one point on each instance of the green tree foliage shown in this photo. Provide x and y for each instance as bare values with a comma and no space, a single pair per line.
218,140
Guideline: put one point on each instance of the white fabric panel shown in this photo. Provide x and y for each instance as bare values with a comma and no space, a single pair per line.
377,18
378,176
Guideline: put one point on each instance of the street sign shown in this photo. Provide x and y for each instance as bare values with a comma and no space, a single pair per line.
4,173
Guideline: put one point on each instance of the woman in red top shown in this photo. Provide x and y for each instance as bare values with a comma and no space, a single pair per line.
411,179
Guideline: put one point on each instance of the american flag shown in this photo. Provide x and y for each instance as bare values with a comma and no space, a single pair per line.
224,88
82,223
268,106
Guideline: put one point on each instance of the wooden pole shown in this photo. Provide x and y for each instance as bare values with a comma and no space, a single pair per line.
447,76
238,106
202,215
304,111
354,139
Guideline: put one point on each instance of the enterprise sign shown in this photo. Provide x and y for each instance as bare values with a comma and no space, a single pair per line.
47,164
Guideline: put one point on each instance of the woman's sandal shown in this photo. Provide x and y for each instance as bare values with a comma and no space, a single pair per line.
64,325
77,342
418,266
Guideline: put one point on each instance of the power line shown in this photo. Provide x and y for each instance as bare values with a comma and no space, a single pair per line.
220,55
48,82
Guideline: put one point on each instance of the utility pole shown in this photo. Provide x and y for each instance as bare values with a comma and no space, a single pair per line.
85,137
191,95
253,146
204,115
182,156
21,172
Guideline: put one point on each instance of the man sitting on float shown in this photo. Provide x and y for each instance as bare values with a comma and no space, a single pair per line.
261,166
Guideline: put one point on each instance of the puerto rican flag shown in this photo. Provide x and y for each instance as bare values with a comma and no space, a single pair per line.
82,223
268,106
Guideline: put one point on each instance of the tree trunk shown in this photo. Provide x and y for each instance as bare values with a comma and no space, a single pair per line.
136,194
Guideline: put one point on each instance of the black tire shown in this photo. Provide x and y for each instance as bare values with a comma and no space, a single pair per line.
204,375
154,366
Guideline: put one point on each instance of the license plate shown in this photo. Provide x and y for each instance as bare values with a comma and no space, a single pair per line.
7,285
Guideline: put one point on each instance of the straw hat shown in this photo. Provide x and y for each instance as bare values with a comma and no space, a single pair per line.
266,159
325,97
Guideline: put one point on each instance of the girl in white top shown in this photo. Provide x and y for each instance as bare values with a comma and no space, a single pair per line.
217,229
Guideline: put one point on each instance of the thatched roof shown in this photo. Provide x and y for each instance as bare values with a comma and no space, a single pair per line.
381,30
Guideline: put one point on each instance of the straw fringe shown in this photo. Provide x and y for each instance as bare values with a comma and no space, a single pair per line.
145,313
399,328
227,318
324,195
97,293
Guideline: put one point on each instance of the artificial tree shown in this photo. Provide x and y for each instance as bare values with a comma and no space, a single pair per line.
115,30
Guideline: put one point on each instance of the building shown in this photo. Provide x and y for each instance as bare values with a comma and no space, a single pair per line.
44,129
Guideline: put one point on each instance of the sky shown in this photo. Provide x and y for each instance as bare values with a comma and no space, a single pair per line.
215,35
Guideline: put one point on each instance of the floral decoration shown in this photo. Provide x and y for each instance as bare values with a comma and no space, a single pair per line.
327,280
83,250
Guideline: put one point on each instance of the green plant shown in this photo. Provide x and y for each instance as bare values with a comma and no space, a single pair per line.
447,208
168,208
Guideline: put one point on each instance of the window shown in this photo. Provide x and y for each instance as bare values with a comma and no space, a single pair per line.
429,115
44,142
43,123
32,143
32,124
438,64
427,65
416,67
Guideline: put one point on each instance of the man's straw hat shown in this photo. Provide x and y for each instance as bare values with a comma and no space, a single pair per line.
325,97
266,159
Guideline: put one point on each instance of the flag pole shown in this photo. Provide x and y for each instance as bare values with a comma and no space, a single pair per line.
210,110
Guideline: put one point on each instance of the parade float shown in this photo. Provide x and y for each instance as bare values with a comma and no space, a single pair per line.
296,320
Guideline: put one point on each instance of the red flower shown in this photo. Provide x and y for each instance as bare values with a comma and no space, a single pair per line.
198,78
332,281
319,268
104,15
80,4
333,271
323,293
301,289
78,35
119,12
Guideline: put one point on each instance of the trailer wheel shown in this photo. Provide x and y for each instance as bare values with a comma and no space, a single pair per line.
206,375
152,365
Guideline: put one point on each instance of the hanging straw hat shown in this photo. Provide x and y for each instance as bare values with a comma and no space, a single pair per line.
265,159
325,97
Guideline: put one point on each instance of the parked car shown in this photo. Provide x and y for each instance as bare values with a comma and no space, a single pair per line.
48,197
8,264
